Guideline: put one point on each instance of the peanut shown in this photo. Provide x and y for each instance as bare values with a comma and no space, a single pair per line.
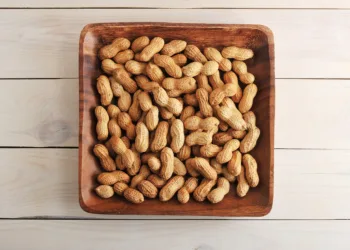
135,167
214,55
104,191
154,73
142,137
218,94
113,128
242,186
105,90
199,138
177,135
187,112
135,109
111,178
216,166
184,153
142,175
144,83
156,180
135,67
192,52
195,123
167,160
191,100
240,68
160,139
250,119
238,134
230,177
140,43
234,165
106,161
183,195
177,87
145,101
230,77
215,80
246,102
226,154
127,157
112,49
133,195
124,100
108,66
203,167
237,53
232,117
172,186
168,64
190,168
251,170
102,123
196,68
201,192
249,141
152,118
173,47
179,167
124,56
154,164
203,101
217,194
180,59
165,114
151,49
210,150
124,121
122,77
221,138
120,187
147,189
202,81
113,111
162,99
223,126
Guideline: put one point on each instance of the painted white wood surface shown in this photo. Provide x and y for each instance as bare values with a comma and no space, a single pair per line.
178,4
45,113
309,184
44,43
199,235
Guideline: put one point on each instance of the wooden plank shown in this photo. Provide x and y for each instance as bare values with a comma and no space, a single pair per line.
309,43
309,184
45,113
203,235
178,4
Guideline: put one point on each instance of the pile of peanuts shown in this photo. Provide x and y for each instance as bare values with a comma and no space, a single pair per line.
173,127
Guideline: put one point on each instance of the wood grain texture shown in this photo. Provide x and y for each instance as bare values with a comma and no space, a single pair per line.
52,106
153,235
179,4
258,201
310,184
51,37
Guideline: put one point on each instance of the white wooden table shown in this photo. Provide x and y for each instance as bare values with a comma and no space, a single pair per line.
39,128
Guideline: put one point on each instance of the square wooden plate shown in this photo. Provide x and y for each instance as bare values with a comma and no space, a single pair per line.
258,201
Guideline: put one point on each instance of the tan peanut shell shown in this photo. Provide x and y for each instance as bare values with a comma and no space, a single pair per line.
215,80
221,138
145,101
223,126
230,177
113,111
172,186
105,90
147,189
216,166
203,167
163,100
124,100
142,175
139,43
191,100
104,191
232,117
192,52
124,121
240,68
136,165
204,188
156,180
235,164
238,134
246,102
214,55
179,167
135,109
108,66
218,94
154,164
123,56
177,87
183,195
210,150
110,178
217,194
123,78
231,77
250,119
202,82
251,170
180,59
102,154
165,114
226,154
242,186
184,153
102,123
160,139
234,52
142,137
195,123
152,118
151,49
177,135
126,154
133,195
155,73
188,111
249,141
199,138
135,67
112,49
144,83
195,68
168,64
167,161
174,47
203,101
120,187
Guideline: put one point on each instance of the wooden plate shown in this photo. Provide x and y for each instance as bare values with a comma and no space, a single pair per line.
258,202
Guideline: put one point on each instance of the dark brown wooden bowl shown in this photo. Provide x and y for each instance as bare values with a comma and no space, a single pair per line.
258,201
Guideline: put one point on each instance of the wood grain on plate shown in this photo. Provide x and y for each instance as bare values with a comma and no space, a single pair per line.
258,202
